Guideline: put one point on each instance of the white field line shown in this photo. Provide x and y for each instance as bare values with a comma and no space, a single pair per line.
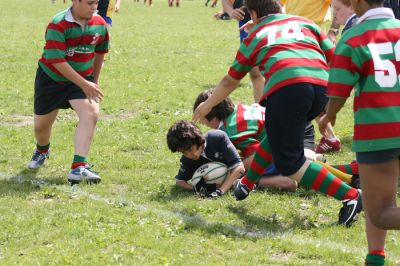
77,192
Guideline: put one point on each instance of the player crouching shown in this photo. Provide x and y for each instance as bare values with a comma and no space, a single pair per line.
185,137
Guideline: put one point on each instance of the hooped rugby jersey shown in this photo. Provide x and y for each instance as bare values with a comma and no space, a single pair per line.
367,58
68,41
287,49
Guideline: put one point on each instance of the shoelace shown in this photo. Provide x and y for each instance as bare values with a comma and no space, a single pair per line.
37,155
89,168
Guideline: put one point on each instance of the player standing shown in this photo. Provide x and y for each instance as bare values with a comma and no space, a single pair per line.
367,59
291,53
67,77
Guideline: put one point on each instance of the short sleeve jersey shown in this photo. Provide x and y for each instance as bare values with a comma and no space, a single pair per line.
67,41
218,148
245,127
367,59
287,49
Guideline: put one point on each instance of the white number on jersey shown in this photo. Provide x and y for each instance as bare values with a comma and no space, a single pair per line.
291,30
385,71
253,112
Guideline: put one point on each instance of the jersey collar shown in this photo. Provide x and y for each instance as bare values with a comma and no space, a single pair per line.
375,13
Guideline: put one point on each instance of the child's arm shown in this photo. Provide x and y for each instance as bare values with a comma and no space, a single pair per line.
116,6
97,65
223,89
234,174
184,184
91,89
333,107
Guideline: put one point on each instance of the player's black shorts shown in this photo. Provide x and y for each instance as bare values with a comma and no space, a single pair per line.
288,111
51,95
374,157
309,137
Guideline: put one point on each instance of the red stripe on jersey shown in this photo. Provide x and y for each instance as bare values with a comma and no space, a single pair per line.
51,44
378,99
295,62
316,184
240,126
88,72
376,131
343,62
339,90
62,26
81,58
368,68
96,20
243,60
294,80
290,46
236,74
376,36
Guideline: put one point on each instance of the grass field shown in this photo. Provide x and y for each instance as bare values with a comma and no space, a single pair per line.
160,60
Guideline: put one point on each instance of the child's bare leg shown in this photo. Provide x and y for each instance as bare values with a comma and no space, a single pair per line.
379,185
258,83
375,236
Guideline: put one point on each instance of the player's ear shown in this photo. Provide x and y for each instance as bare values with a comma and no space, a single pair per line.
253,15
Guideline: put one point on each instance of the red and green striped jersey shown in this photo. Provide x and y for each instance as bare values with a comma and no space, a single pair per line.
287,49
67,41
367,58
245,127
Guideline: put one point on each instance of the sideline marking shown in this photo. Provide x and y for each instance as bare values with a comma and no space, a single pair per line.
196,219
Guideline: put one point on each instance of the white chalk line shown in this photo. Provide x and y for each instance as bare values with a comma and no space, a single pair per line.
76,191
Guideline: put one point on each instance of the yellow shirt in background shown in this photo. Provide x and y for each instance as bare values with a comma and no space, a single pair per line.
315,10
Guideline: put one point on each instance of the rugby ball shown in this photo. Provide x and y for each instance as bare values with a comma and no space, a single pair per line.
215,172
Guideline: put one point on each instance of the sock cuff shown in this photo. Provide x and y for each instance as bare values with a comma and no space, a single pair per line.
43,149
247,182
377,252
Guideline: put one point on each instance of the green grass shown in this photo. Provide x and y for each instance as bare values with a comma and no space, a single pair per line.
161,59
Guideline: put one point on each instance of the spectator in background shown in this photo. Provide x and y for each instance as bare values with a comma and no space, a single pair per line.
106,9
237,11
315,10
171,3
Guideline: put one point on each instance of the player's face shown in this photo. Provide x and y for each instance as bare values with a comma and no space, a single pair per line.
85,9
213,123
357,7
194,152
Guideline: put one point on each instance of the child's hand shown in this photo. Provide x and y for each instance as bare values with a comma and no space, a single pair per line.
237,14
201,111
323,123
248,26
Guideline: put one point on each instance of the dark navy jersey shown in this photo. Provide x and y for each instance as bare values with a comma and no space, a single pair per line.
218,148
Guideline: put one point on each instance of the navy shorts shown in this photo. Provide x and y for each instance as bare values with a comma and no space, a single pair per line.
243,34
51,95
374,157
288,111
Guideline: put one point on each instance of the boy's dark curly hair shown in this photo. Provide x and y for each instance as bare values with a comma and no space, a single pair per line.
264,7
220,111
183,135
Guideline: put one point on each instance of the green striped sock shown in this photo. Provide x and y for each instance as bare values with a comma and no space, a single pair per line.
320,179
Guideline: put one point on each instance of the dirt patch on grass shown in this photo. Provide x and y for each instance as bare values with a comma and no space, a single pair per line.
27,120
